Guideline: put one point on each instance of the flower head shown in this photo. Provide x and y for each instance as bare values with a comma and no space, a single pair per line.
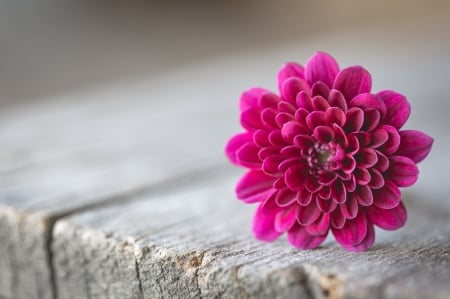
325,155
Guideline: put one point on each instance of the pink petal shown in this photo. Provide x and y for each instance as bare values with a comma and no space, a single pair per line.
353,232
291,87
355,119
320,89
284,220
336,99
315,118
282,118
335,115
353,81
254,186
269,206
295,177
267,151
320,104
388,196
263,225
377,179
366,243
383,162
364,195
303,100
320,227
276,139
268,117
249,98
371,119
235,143
362,176
299,237
326,205
288,163
398,108
390,219
268,100
378,138
292,129
414,145
251,119
307,215
303,141
323,134
349,208
366,157
270,165
247,156
304,197
321,67
337,219
288,70
367,101
402,171
393,142
338,192
284,106
285,198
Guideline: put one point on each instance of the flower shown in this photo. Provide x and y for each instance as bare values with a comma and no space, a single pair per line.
326,154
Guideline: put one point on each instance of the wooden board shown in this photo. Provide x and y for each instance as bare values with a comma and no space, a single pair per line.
196,243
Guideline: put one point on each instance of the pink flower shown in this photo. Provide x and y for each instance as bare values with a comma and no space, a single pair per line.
326,154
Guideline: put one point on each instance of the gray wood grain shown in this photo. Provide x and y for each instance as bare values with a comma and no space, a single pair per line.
196,243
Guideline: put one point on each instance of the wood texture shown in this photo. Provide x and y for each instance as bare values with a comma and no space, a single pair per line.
196,243
123,192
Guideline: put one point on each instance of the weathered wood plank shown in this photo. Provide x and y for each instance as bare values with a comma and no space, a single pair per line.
62,156
196,243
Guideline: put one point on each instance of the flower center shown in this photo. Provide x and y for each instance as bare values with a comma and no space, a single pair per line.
321,157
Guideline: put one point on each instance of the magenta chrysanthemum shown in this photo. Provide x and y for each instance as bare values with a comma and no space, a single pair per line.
326,154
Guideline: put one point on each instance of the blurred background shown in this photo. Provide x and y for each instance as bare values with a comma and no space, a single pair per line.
50,47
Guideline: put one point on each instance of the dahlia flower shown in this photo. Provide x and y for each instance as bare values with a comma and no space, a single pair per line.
326,154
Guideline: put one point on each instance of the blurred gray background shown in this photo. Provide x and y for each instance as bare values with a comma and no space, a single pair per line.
48,48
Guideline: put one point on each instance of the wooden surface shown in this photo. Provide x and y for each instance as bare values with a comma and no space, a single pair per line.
123,191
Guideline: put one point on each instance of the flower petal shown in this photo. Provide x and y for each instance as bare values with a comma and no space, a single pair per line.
299,237
353,232
249,98
393,142
291,87
320,227
288,70
336,99
337,219
320,104
295,177
353,81
284,220
263,225
335,115
304,197
349,208
321,67
338,192
366,157
367,101
398,108
364,195
414,145
326,205
323,134
355,119
270,165
320,89
315,118
292,129
254,186
247,156
387,197
307,215
390,219
285,198
251,119
366,243
235,143
402,171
